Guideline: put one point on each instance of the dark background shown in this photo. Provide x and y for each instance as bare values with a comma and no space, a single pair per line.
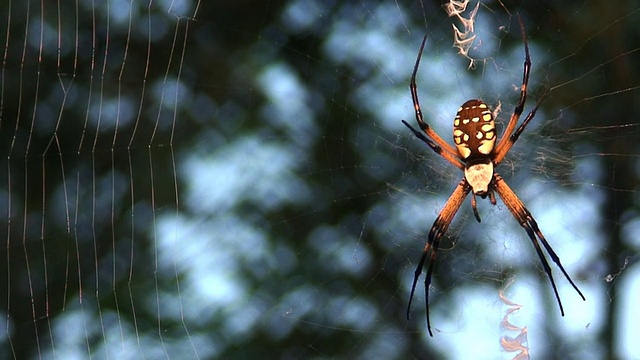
235,181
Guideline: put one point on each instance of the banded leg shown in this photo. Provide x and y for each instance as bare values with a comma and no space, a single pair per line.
443,148
506,141
526,220
438,150
438,229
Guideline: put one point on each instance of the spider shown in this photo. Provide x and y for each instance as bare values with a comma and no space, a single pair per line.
477,154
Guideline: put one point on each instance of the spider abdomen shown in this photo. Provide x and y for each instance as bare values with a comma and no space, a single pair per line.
474,130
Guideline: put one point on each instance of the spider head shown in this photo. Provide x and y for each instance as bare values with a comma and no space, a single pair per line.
479,175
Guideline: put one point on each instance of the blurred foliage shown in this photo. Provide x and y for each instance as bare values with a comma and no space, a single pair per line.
117,181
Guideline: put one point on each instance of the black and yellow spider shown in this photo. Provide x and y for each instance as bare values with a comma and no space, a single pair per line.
476,154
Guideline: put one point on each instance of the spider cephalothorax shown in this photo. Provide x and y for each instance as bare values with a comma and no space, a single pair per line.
477,154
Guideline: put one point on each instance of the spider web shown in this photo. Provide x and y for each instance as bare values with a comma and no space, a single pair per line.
200,180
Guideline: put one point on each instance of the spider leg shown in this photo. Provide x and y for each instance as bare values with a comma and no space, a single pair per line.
508,143
526,220
438,150
492,199
527,119
438,229
507,140
545,263
436,143
556,259
474,208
